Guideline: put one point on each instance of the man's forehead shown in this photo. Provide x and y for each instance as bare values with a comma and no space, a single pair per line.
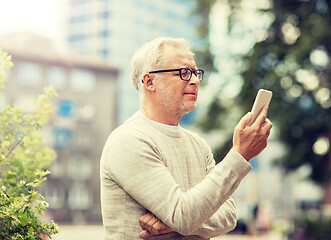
179,55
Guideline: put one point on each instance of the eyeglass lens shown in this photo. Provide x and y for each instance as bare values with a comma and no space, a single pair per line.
186,74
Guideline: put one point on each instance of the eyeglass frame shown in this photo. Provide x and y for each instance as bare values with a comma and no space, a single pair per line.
180,72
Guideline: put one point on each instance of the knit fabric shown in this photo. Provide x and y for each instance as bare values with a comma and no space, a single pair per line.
172,174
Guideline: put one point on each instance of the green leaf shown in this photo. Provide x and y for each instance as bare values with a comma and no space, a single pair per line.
30,231
11,175
24,219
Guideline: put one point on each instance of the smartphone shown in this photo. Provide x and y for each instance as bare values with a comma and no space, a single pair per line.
262,99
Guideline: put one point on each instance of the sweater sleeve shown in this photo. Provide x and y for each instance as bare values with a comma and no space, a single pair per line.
132,161
224,219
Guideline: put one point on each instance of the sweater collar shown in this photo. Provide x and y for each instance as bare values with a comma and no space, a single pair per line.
173,131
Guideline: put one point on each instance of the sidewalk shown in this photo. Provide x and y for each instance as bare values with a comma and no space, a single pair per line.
95,232
266,236
81,232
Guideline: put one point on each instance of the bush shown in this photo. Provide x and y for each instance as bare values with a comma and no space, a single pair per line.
311,225
23,159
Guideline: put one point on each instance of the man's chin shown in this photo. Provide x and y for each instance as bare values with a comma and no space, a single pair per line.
188,108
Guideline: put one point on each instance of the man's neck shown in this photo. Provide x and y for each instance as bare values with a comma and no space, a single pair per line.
160,116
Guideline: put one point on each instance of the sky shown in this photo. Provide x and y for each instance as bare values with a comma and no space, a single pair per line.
43,17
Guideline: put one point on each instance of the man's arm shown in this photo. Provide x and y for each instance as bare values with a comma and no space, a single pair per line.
223,221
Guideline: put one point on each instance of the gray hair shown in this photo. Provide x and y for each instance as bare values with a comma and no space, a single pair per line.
150,56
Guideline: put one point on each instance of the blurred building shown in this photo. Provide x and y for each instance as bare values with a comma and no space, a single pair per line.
114,29
85,114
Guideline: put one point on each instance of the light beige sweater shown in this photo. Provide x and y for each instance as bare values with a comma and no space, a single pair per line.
172,174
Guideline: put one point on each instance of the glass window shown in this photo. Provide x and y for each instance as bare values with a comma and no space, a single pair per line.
29,74
77,37
104,15
66,108
80,168
86,112
54,195
83,138
61,137
80,18
104,53
79,197
82,81
104,34
56,76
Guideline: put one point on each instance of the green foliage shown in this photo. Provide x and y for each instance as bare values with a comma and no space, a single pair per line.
310,225
23,158
286,63
294,62
5,65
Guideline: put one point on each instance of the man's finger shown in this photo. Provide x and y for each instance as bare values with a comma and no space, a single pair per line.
262,117
244,121
267,126
158,226
143,220
151,225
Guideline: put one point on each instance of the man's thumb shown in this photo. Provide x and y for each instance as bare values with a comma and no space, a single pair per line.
144,234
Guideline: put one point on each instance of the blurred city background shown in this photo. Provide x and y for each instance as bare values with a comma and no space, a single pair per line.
84,47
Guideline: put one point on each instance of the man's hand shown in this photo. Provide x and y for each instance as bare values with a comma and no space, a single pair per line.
249,141
152,226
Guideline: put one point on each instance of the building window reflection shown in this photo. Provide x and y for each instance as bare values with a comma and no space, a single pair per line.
80,168
66,108
82,139
79,197
82,81
56,76
55,196
61,137
29,74
86,112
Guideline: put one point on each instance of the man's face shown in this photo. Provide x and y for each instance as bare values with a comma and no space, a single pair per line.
172,93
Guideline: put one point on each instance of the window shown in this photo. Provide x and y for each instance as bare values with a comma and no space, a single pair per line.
56,76
104,15
54,195
80,19
104,53
103,34
79,197
80,168
77,37
29,74
61,137
66,108
86,112
82,81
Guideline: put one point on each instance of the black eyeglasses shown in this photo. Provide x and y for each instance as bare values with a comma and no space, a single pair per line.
185,73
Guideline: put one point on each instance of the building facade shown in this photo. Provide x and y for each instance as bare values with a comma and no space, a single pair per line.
84,115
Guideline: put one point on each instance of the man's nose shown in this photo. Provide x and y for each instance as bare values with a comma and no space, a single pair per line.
194,80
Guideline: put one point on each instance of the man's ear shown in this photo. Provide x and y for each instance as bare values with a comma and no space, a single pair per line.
148,82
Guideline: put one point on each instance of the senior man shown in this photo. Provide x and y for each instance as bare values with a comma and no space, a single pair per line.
159,180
